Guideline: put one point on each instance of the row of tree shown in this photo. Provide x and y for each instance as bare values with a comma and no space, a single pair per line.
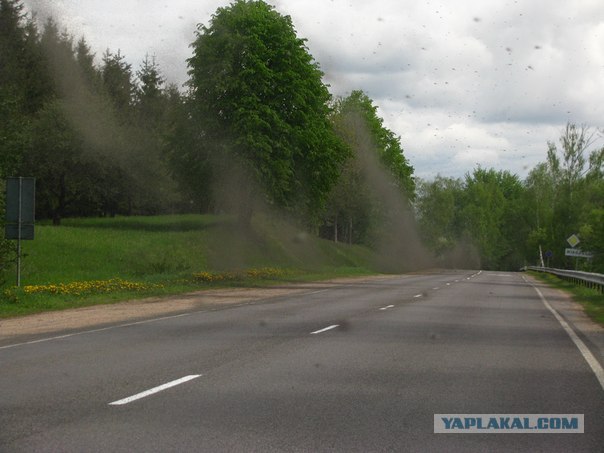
89,134
257,127
511,222
104,139
261,128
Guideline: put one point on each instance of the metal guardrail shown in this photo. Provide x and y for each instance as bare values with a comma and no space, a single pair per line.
588,279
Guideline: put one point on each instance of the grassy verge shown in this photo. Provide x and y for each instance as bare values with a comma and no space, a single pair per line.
591,300
93,261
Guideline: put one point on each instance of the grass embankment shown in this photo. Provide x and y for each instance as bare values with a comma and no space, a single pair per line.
91,261
591,299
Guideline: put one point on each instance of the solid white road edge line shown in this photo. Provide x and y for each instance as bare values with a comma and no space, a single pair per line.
102,329
325,329
583,349
157,389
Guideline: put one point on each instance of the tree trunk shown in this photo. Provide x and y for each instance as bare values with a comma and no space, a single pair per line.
60,209
244,217
335,229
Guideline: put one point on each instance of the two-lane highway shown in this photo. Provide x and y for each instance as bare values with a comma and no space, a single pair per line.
362,366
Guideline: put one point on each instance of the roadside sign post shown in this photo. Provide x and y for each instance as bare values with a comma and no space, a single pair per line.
20,213
573,240
578,253
575,252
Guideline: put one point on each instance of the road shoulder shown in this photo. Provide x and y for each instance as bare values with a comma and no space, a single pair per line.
71,320
573,313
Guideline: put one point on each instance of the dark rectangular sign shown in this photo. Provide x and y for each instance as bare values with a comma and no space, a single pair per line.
20,208
11,231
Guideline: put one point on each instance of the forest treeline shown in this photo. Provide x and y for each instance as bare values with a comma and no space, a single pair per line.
255,127
508,221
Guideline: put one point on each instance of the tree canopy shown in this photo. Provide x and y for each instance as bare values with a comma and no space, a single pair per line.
374,181
258,94
385,143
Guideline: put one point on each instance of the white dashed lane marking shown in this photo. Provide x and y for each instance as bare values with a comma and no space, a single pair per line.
154,390
325,329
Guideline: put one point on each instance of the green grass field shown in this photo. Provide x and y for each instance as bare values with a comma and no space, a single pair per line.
72,265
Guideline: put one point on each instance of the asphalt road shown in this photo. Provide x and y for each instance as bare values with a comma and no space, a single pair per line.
356,367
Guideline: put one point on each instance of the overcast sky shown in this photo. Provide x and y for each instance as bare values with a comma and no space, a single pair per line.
462,82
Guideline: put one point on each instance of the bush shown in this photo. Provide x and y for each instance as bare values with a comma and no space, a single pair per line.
8,257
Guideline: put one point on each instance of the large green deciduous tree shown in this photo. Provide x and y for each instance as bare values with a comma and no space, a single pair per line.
375,178
384,143
258,95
